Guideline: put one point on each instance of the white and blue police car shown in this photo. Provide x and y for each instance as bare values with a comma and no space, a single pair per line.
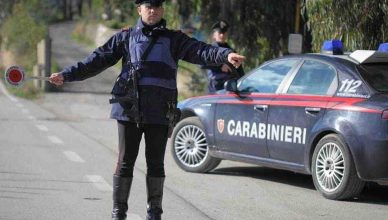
321,114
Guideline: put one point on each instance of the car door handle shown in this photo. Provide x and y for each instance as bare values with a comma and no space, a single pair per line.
312,110
261,108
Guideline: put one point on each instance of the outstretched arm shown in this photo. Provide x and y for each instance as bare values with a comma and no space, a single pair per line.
103,57
197,52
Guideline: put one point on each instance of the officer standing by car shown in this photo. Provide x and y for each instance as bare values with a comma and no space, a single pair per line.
219,74
145,94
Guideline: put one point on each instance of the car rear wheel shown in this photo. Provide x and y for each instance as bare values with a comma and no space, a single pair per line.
333,170
189,147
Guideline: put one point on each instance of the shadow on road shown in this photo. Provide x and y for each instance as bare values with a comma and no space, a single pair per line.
373,193
269,174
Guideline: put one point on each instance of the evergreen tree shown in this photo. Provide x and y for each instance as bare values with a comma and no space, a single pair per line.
359,24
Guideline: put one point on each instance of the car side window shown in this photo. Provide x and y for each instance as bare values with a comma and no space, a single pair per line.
313,78
266,79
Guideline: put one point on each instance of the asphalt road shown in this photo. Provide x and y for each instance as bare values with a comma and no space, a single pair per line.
58,154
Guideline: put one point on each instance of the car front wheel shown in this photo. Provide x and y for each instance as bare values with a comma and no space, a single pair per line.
333,170
189,147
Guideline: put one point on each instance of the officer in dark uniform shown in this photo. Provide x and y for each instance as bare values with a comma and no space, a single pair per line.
156,94
219,74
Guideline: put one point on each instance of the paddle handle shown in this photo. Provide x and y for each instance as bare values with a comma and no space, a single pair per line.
39,78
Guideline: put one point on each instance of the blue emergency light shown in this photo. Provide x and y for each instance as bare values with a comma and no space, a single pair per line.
383,47
334,47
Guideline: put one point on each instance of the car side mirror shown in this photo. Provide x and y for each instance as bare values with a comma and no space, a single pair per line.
231,85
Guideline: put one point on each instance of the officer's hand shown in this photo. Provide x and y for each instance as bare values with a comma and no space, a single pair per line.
235,59
56,79
225,68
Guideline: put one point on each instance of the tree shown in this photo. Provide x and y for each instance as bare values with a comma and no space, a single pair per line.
17,39
359,24
259,28
6,9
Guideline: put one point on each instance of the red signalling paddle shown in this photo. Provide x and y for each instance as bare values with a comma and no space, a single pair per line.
15,76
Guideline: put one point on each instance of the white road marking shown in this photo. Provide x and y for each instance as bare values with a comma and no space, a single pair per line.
42,127
99,182
73,156
55,140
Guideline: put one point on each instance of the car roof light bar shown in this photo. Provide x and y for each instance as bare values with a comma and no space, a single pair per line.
334,47
383,47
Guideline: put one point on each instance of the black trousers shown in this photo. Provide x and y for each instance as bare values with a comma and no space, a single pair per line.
130,136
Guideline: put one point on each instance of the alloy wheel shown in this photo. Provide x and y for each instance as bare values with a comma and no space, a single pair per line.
330,167
190,146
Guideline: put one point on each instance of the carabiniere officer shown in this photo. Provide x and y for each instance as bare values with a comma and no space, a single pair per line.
152,78
219,74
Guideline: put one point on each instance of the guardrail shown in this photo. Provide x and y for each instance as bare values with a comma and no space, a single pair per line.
43,66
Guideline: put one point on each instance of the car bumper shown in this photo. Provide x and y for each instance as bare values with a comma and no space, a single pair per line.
371,159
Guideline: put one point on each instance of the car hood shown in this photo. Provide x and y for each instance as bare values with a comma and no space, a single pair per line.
205,99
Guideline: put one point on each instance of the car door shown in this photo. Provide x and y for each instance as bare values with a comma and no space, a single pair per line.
294,113
240,118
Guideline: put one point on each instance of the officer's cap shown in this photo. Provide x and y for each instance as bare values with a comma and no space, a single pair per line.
155,3
220,26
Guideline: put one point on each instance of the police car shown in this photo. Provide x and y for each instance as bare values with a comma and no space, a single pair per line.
320,114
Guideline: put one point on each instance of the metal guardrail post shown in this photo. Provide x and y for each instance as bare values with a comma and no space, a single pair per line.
43,67
47,64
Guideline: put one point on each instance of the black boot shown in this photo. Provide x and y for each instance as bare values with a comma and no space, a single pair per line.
154,197
121,188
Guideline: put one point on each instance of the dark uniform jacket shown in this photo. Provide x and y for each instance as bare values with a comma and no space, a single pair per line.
216,76
157,82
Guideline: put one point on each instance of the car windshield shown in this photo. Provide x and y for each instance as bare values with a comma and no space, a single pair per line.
376,75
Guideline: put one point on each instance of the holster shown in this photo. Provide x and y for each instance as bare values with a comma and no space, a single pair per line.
120,87
125,92
173,115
